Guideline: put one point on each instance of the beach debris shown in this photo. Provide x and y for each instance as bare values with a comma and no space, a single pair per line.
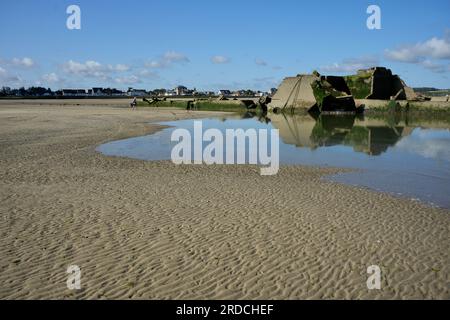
248,104
152,101
263,102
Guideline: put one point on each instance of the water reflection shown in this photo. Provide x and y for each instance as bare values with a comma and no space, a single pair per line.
407,155
398,153
370,135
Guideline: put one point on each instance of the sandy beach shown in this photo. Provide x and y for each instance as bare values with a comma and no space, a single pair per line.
154,230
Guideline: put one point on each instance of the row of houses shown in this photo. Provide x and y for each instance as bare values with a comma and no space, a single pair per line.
184,91
131,92
246,93
177,91
94,92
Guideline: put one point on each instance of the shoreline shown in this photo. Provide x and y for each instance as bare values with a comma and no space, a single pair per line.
153,230
326,177
372,106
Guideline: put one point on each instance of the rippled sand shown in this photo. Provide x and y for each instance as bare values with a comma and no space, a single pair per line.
153,230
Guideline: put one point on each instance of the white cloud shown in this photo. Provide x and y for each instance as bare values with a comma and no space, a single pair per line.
8,79
51,78
93,69
427,143
89,68
173,56
155,64
167,59
402,55
351,64
434,48
261,62
18,62
22,62
120,67
220,59
435,67
424,54
128,80
148,73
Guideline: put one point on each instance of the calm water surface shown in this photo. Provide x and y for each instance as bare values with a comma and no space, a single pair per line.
404,155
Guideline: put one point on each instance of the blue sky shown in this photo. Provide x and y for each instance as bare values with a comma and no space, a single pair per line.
214,45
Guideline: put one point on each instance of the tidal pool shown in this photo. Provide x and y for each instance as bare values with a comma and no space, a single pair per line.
405,155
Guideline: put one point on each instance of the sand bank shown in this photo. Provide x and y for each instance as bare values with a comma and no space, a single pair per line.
153,230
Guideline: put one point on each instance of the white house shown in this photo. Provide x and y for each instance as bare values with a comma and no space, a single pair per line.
170,93
74,92
181,90
224,93
97,92
136,92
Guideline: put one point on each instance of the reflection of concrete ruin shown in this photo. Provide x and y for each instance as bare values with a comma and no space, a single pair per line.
371,136
317,93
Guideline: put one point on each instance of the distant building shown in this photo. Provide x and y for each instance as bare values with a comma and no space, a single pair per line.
97,92
205,93
74,92
6,90
115,92
136,92
224,93
170,93
181,90
241,93
111,92
159,92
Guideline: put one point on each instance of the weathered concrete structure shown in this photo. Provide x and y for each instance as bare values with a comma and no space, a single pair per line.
380,84
295,92
316,93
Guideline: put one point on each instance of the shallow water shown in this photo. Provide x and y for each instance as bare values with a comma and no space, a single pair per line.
404,155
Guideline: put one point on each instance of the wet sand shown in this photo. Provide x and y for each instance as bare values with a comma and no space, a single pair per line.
153,230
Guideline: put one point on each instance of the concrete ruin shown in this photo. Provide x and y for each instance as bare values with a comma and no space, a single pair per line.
314,93
325,94
379,83
295,92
